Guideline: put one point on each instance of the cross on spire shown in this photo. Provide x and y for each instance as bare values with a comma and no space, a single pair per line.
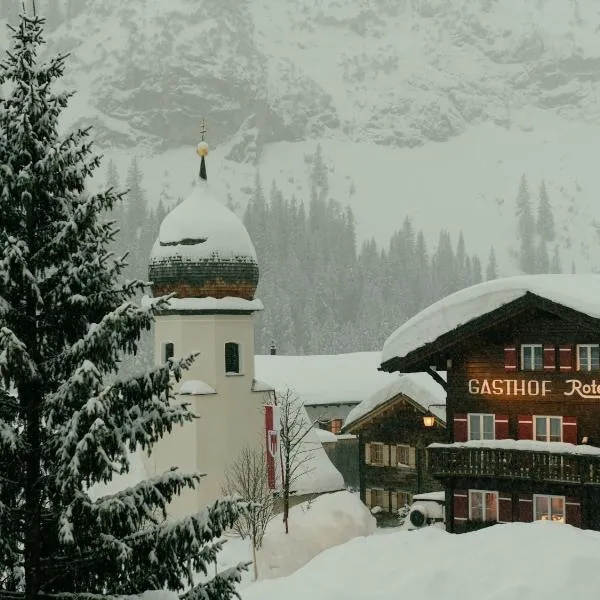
203,128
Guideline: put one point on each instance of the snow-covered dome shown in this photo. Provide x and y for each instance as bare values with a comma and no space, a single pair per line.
203,250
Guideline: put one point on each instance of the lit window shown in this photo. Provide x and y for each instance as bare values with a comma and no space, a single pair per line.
481,427
483,505
335,425
588,357
548,429
168,351
232,357
403,455
549,508
376,454
532,357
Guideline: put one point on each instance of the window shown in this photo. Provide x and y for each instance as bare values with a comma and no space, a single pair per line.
481,427
588,357
549,508
483,505
376,454
168,351
532,357
376,497
335,425
403,455
548,429
232,358
402,499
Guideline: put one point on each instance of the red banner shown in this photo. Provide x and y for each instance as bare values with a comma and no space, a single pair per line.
270,445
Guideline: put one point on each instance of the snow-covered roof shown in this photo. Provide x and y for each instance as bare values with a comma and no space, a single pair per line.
325,379
435,496
195,387
421,388
325,435
261,386
209,304
578,292
202,227
525,446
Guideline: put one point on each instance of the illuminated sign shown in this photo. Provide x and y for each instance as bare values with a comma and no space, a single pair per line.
532,387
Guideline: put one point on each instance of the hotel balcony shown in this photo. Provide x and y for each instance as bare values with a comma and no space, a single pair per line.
520,462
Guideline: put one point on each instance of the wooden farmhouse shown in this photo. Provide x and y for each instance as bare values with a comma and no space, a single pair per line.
522,356
392,440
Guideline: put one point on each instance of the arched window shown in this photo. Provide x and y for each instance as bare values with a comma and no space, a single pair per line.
232,358
168,351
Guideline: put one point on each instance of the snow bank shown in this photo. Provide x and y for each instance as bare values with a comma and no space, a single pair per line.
329,520
536,561
325,379
419,387
579,292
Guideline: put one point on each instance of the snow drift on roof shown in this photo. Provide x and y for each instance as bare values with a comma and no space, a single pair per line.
325,379
209,303
195,387
419,387
202,227
525,446
578,292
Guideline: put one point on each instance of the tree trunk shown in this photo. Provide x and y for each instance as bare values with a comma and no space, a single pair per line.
286,498
33,533
254,559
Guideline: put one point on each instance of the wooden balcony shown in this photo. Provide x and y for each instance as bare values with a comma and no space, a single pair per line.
452,461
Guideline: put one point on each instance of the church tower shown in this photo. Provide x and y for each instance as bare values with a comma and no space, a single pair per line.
205,257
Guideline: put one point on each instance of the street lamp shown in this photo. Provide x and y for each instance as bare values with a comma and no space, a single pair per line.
429,417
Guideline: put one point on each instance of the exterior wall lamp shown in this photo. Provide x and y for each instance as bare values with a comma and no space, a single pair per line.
429,417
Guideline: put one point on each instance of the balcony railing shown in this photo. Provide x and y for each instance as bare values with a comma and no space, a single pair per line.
453,461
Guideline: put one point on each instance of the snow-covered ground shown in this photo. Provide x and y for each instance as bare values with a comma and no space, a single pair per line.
517,561
329,520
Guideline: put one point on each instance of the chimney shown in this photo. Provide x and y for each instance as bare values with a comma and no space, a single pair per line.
273,348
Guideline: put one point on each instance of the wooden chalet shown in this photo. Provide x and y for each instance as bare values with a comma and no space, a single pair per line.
522,357
392,441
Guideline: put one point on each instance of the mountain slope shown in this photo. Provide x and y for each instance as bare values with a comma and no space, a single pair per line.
433,108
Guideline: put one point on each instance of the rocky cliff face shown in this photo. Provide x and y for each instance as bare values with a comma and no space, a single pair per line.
395,72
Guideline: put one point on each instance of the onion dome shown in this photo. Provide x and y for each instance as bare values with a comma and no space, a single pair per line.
203,249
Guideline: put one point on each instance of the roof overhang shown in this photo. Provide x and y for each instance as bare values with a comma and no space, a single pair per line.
438,351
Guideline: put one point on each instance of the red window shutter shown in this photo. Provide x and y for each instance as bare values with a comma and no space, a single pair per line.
461,432
525,508
461,506
510,358
565,354
501,427
569,430
549,358
525,427
573,511
505,508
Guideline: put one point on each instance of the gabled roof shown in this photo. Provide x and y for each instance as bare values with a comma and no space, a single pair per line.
318,380
573,297
418,389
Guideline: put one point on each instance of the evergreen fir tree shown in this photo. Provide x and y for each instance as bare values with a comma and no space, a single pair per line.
525,228
477,273
491,271
545,218
65,320
555,265
542,260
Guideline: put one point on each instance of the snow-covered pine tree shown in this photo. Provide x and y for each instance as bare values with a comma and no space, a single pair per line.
64,321
491,271
525,228
545,218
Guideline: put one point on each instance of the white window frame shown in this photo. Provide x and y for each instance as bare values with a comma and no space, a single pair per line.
371,460
240,361
406,448
481,415
588,348
531,367
485,520
163,350
549,497
547,417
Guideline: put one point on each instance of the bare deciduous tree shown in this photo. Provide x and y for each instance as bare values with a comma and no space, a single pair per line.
248,479
295,451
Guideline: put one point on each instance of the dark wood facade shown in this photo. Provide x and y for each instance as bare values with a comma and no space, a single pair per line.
499,388
392,443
